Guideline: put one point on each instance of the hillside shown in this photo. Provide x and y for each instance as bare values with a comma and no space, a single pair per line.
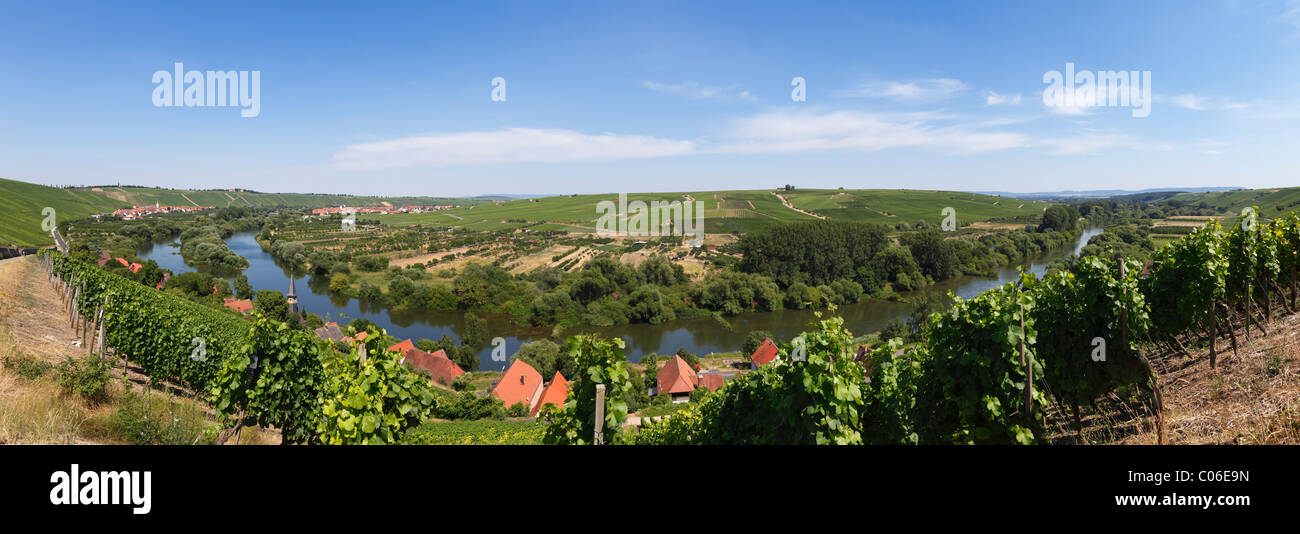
224,197
742,211
21,204
1271,202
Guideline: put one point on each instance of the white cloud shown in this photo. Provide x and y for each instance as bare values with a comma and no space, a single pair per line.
1211,147
510,145
1189,101
786,131
1291,16
994,99
1088,142
919,90
696,91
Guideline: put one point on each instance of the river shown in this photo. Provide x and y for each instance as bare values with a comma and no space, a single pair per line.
698,336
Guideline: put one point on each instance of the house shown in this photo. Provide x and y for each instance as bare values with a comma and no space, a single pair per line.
520,383
714,380
555,393
764,354
331,332
133,267
241,306
406,346
677,380
441,369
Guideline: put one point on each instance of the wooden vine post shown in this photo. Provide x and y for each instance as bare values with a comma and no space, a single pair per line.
599,438
1214,333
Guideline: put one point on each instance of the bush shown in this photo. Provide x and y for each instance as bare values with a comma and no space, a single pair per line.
87,377
27,367
518,409
469,406
158,420
371,264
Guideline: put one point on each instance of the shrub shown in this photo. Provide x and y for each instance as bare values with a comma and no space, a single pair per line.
87,377
158,420
518,409
27,367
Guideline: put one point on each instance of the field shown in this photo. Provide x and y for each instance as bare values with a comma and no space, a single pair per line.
910,206
1271,202
221,198
482,432
736,212
21,205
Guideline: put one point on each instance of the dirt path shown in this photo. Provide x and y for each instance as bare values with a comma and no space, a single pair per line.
791,206
32,312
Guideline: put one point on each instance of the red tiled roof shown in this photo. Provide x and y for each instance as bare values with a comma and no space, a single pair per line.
404,347
765,353
331,332
520,383
555,393
241,306
677,377
442,369
713,381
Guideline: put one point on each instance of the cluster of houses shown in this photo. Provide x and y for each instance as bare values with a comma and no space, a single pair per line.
341,210
137,212
105,257
678,379
521,382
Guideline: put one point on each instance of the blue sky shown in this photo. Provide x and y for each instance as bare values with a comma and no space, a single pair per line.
619,96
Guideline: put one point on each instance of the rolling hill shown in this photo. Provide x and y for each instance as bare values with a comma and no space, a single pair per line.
1271,202
741,211
221,198
21,205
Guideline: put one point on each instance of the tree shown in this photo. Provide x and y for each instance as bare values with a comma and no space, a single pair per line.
933,254
272,305
1058,218
753,340
243,289
548,357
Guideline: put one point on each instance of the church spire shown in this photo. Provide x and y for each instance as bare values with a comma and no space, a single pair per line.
292,298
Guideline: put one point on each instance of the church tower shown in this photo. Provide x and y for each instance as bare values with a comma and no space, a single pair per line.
292,298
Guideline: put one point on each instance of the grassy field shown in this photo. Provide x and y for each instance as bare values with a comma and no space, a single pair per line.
736,212
892,206
222,198
1271,202
21,204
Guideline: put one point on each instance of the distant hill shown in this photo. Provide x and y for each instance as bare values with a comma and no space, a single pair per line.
1103,193
21,205
739,212
241,197
509,197
1271,202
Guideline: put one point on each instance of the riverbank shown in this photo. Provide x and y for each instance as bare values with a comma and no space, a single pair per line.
700,336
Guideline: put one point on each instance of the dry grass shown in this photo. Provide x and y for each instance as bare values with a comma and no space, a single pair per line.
38,410
1253,398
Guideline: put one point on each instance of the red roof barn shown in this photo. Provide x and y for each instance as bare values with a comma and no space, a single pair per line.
440,367
555,393
764,354
520,383
677,379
